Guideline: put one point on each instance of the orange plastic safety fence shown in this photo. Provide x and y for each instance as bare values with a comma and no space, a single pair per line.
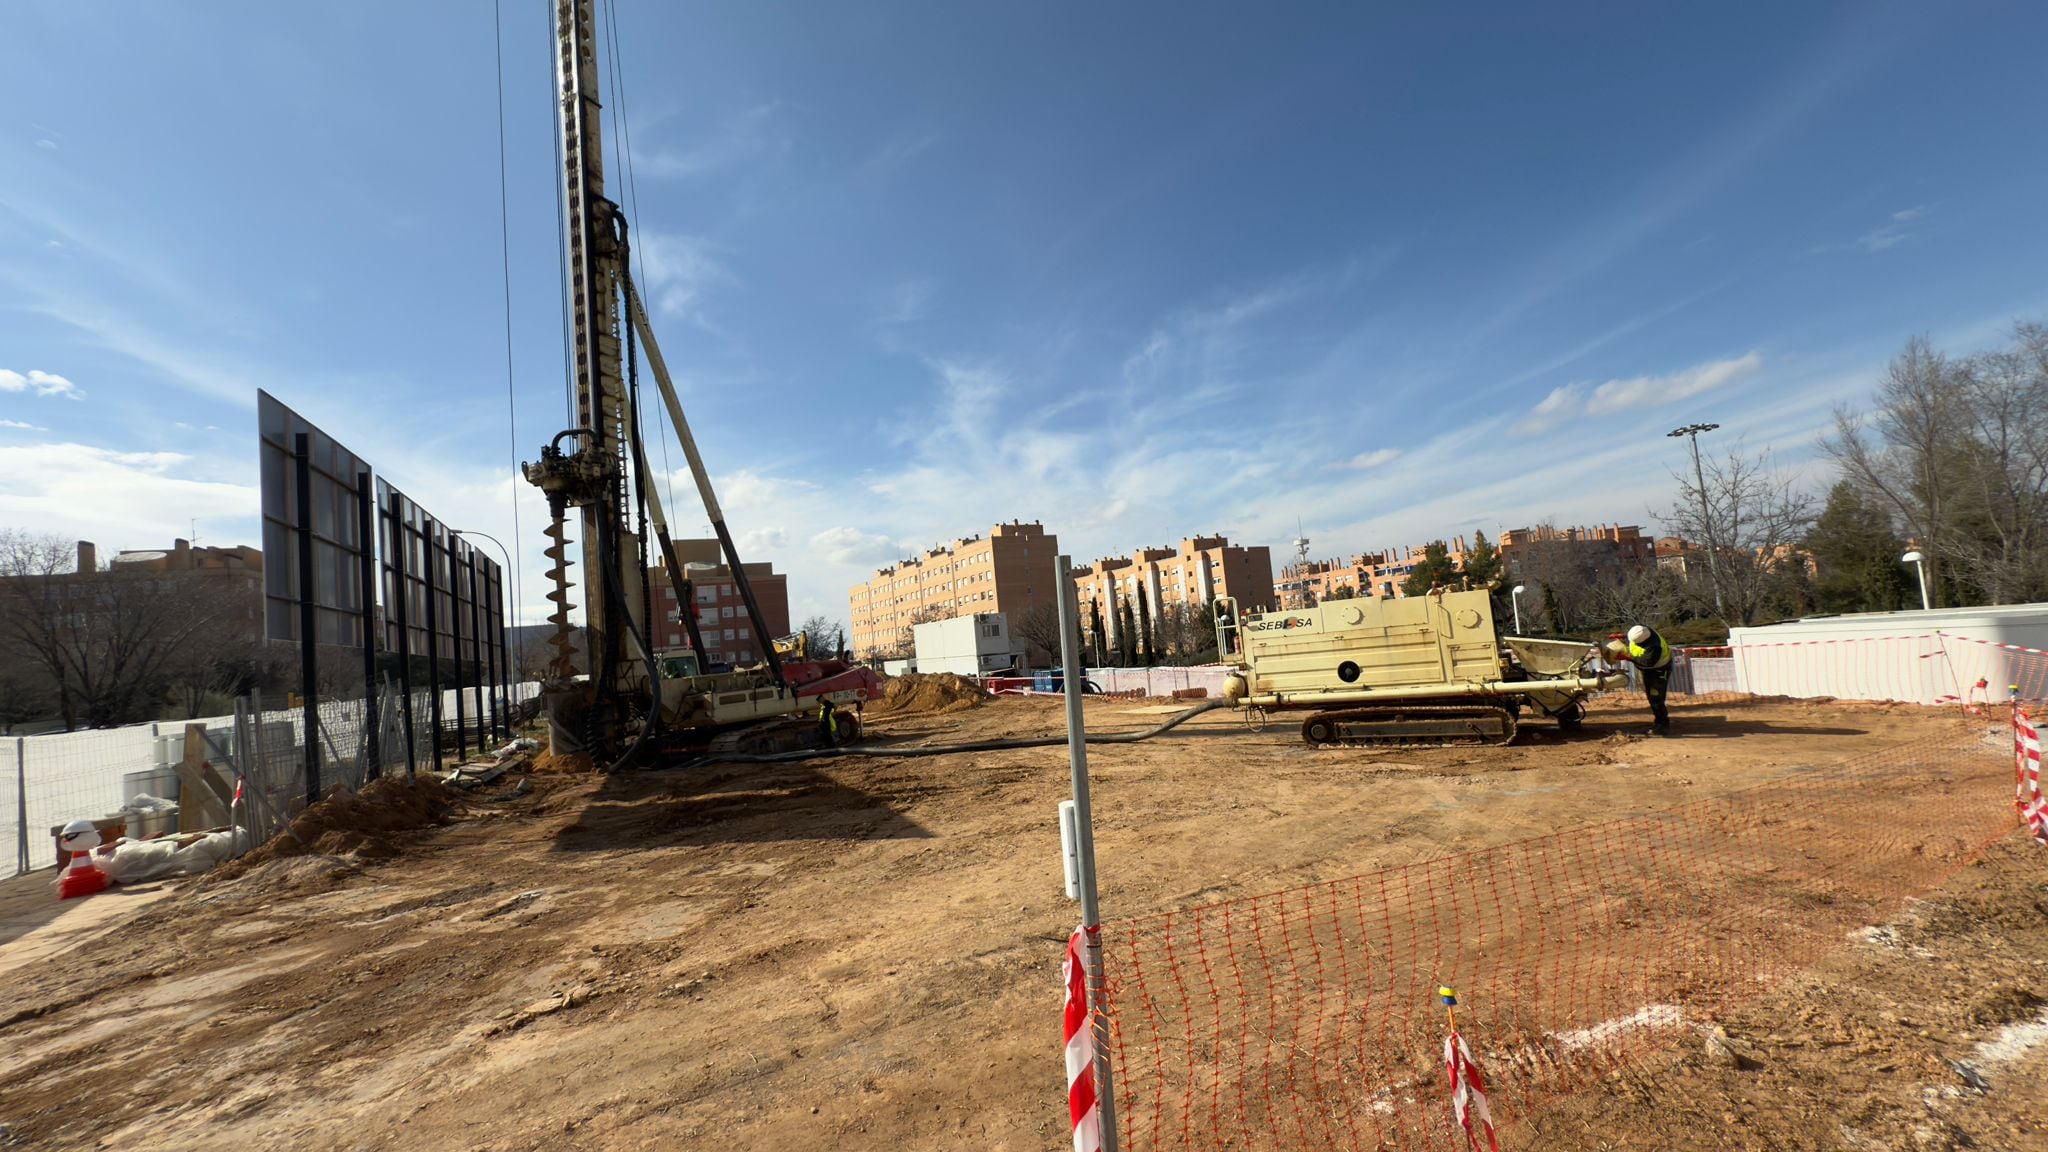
1306,1019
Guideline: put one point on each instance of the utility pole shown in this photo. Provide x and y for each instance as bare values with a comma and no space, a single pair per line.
1692,432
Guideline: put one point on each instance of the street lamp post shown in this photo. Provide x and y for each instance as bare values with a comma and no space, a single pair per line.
1692,432
1919,562
518,640
1515,598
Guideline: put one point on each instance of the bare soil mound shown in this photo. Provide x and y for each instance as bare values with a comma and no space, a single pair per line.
573,764
935,692
370,824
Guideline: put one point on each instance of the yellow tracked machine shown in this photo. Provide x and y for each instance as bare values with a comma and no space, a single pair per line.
1419,671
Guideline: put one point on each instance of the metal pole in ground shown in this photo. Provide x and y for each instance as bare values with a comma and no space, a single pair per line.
302,457
455,648
401,592
21,803
366,538
1084,821
476,656
430,532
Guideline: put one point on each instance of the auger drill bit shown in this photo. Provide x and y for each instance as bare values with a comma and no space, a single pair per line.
563,666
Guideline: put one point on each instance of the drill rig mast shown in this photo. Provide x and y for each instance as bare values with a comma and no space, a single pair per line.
599,467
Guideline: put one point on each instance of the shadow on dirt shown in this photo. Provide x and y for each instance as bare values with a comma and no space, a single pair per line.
754,804
1684,724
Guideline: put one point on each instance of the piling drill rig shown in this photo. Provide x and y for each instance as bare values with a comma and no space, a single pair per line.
599,468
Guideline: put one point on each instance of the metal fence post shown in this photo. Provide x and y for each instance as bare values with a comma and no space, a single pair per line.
366,537
21,802
401,590
1091,907
476,654
431,530
455,651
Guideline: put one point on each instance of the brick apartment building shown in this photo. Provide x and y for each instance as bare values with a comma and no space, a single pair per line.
1201,569
1378,574
1624,543
1010,571
1385,574
730,636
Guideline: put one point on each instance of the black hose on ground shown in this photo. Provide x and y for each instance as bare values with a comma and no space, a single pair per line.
1172,722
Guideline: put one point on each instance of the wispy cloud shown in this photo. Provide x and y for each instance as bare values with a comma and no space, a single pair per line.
1642,391
761,131
1374,459
47,145
39,382
680,270
1894,232
906,304
25,427
1620,395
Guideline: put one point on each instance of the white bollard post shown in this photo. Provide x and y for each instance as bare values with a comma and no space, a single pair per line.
1070,850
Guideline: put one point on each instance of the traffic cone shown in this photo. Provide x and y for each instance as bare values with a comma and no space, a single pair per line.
83,878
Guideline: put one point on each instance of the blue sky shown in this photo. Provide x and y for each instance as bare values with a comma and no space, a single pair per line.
1135,270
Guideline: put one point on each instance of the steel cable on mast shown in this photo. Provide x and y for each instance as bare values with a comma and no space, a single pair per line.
622,143
505,268
555,128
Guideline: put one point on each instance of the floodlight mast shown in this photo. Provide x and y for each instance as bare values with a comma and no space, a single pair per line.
1692,432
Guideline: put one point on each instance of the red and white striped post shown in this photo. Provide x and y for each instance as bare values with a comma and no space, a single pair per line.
1091,1096
2026,747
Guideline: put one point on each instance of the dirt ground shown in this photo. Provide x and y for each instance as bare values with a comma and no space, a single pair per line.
865,952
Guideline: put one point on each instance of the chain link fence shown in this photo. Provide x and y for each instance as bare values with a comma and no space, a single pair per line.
131,776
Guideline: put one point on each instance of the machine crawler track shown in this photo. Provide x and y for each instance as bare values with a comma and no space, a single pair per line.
1410,726
783,734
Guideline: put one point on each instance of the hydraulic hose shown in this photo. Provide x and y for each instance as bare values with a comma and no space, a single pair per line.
1172,722
653,675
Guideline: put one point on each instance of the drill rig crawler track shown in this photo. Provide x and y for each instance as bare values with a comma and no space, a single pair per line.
1411,726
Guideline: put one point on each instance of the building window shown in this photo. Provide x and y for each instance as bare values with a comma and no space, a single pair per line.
725,612
674,638
669,592
708,616
728,634
746,655
743,634
707,595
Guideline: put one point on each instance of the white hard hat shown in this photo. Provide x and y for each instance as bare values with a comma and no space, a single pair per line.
1638,634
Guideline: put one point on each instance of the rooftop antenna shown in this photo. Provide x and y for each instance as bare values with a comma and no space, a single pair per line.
1300,543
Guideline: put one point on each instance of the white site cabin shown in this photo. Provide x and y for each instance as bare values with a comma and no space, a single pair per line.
976,644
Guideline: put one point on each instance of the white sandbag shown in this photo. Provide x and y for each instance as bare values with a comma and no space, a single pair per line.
134,861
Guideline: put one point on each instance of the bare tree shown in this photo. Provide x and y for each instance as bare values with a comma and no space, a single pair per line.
26,690
1646,595
1569,574
1905,452
823,635
1754,515
1039,628
109,641
2000,545
1187,632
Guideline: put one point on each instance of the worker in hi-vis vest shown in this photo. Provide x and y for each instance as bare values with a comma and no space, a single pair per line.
1652,657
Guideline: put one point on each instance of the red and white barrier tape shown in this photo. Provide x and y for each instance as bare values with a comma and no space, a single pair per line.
1080,1034
2026,748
